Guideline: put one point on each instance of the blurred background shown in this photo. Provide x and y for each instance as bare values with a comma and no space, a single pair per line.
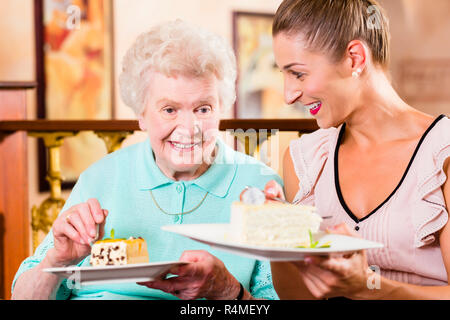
76,47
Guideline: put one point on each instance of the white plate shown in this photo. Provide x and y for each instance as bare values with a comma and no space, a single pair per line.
139,272
218,236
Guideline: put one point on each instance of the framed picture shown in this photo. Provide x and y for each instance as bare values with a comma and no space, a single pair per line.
260,82
74,53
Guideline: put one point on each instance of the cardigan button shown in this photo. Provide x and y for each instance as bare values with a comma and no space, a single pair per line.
357,228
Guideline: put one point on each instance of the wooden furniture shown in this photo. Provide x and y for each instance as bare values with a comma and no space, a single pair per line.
14,215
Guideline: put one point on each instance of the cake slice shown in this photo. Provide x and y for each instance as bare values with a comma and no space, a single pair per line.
119,252
274,224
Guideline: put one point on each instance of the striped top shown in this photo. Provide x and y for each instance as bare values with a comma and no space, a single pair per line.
407,222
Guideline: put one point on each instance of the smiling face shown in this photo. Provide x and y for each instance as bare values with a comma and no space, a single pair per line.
313,79
182,118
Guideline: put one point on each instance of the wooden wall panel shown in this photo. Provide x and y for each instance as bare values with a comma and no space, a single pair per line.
14,216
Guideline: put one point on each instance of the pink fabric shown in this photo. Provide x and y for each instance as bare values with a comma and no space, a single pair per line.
407,224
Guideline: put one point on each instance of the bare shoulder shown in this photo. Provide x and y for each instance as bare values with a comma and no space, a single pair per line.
422,121
415,124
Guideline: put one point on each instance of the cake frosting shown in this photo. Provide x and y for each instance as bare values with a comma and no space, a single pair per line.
119,252
274,224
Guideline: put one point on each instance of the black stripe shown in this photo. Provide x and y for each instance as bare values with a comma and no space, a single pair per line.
336,171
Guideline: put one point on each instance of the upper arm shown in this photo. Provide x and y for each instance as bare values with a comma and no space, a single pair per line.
291,181
444,237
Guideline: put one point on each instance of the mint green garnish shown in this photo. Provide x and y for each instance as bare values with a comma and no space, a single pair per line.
112,233
311,240
313,244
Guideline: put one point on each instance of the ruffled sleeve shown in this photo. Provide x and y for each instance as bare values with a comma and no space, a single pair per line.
434,215
309,154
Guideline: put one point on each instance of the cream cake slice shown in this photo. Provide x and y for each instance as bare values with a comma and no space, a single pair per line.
273,224
119,252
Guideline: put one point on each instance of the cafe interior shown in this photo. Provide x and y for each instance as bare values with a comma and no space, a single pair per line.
61,110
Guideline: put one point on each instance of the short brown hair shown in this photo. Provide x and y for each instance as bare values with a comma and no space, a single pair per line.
329,25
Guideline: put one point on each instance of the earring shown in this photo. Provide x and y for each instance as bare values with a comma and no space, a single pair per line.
355,74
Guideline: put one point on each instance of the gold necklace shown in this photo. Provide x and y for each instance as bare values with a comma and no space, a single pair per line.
181,213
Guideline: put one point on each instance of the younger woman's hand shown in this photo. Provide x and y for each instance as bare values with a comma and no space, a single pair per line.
336,276
274,190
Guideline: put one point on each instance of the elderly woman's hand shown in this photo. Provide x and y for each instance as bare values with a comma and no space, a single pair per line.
74,230
339,276
204,277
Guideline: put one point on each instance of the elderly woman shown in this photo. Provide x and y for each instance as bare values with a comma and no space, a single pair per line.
377,165
178,79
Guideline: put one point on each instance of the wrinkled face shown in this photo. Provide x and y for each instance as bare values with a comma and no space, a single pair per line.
182,119
314,80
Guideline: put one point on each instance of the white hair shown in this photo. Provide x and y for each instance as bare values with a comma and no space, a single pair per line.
177,48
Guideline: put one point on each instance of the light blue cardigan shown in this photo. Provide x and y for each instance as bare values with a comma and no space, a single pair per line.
121,182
